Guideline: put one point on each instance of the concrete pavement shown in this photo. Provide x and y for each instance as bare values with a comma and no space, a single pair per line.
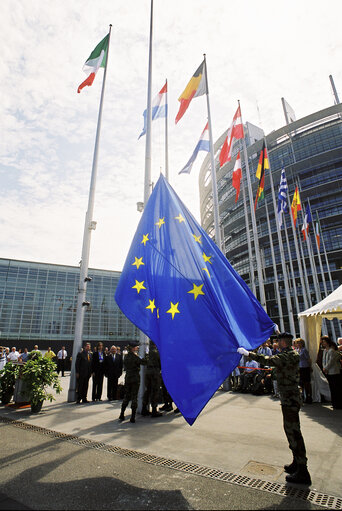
236,433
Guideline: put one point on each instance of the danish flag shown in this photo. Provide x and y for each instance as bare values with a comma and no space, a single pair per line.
235,132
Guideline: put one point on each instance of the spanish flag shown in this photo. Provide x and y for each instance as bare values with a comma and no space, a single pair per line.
260,174
295,206
195,88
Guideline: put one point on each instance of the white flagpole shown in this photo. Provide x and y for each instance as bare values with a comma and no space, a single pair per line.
307,285
280,308
166,135
291,267
282,254
88,227
213,169
249,244
254,226
143,339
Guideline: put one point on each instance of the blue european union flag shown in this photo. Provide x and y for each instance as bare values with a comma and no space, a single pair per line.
180,290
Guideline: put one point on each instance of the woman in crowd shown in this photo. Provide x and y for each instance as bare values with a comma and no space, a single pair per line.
304,370
332,370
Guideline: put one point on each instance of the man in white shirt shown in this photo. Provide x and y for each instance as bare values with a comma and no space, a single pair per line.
61,357
13,355
3,358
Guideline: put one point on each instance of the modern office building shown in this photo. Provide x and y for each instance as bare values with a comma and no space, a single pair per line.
310,151
38,306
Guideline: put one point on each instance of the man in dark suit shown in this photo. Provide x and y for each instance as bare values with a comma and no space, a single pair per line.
113,371
83,372
98,370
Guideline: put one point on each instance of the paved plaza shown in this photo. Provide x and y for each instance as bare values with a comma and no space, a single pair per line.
236,433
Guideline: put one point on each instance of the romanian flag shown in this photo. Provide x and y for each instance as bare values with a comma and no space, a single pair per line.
260,174
295,206
96,59
195,88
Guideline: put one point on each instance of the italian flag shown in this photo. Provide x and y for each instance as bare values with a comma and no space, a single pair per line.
97,59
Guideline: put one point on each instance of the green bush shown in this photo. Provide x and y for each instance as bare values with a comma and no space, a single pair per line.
38,374
7,381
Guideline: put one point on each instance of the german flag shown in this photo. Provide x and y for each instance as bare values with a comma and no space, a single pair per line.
260,174
195,88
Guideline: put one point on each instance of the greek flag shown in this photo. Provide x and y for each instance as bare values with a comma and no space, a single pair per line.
282,198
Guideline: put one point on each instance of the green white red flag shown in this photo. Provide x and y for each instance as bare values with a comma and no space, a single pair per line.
97,59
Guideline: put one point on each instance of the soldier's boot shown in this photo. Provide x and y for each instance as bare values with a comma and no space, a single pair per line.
167,408
145,411
132,419
122,414
291,469
301,476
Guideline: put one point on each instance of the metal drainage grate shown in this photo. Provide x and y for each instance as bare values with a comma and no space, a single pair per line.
320,499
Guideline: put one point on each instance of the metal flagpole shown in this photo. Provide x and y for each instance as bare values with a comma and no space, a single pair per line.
319,255
299,261
306,279
89,226
291,268
280,308
254,226
249,244
143,339
213,169
166,136
325,254
282,253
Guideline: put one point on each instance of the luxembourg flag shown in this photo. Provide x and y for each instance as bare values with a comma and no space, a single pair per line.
202,145
159,107
307,221
96,59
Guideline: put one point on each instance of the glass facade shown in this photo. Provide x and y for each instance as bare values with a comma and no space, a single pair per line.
310,150
38,305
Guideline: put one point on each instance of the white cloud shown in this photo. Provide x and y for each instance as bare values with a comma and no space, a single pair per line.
256,52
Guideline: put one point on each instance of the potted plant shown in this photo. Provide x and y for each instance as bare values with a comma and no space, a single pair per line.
38,374
7,381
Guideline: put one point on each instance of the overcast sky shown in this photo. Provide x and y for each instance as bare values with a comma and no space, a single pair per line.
256,52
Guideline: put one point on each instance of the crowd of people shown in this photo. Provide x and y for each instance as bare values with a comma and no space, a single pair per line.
250,377
22,356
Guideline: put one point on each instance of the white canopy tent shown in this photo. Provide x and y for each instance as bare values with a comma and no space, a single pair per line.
310,324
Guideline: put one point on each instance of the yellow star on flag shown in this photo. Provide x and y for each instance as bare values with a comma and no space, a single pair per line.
197,238
160,222
197,290
206,269
145,238
206,258
173,309
151,305
179,218
138,262
139,286
158,313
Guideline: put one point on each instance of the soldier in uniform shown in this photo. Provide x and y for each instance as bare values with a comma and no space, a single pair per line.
152,382
131,364
287,365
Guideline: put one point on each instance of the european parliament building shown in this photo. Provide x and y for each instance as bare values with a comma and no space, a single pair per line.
310,151
38,306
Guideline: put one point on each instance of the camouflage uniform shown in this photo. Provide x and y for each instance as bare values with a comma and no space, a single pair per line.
152,378
287,366
132,365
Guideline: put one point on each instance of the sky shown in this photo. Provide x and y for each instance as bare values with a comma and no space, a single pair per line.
257,52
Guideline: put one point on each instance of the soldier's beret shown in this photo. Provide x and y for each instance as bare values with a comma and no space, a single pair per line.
133,344
285,335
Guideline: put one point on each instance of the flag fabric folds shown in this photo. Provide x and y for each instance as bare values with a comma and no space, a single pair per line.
159,108
295,206
234,133
237,174
96,59
318,235
260,174
307,222
180,290
282,198
202,145
195,88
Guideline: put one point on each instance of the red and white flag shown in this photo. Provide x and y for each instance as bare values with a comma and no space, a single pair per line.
235,132
237,174
318,236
